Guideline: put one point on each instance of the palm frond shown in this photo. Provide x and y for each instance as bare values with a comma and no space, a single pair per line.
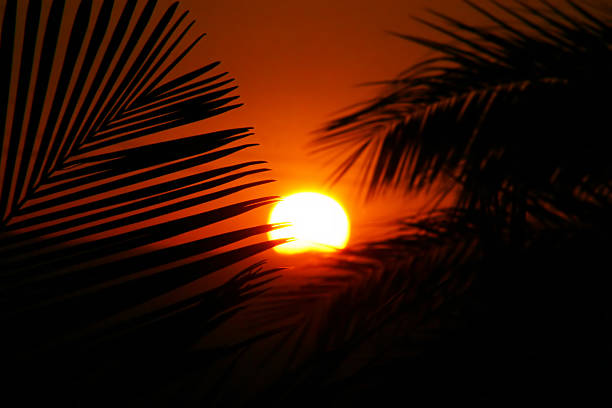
508,113
94,195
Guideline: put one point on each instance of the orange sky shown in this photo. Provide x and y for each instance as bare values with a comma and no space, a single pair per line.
297,63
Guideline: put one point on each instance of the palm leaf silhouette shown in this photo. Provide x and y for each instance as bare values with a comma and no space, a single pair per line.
91,197
509,114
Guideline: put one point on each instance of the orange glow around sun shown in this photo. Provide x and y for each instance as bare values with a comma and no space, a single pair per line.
316,222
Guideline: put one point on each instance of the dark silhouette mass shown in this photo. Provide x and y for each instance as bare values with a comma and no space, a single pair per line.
503,294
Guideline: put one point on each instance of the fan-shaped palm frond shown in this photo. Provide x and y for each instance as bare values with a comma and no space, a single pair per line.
93,194
513,114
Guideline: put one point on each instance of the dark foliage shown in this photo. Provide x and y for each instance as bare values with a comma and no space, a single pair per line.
93,197
514,115
502,297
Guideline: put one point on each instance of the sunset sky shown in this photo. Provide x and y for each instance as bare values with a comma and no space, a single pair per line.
297,64
141,260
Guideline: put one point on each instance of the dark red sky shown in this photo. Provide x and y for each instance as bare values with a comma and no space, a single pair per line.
296,64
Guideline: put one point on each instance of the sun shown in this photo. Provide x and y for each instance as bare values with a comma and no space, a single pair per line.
316,222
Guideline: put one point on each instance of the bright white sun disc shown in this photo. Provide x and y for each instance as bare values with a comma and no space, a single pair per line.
316,222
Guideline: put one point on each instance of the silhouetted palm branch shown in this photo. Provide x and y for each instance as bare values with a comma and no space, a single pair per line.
93,196
511,114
